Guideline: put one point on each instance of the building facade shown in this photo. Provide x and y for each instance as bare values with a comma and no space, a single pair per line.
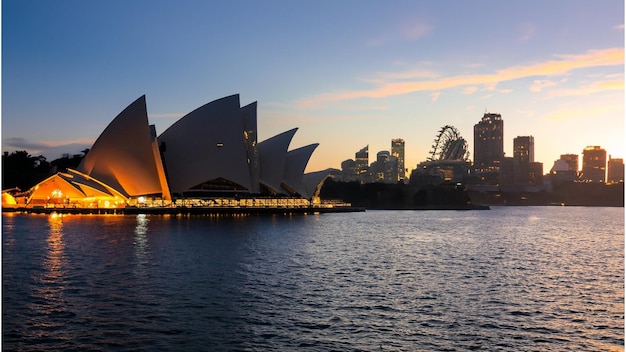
362,164
615,170
594,164
571,160
524,149
489,143
397,151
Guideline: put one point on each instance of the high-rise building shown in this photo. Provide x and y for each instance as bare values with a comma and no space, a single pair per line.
397,150
535,173
525,168
594,164
348,170
377,168
362,163
571,160
488,143
384,169
524,149
615,170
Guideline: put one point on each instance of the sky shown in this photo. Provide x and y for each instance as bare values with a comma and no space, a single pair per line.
346,73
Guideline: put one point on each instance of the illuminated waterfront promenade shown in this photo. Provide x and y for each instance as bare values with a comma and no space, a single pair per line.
216,206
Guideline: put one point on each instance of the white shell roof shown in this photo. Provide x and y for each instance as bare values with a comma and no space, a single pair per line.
295,164
123,156
206,144
217,140
272,158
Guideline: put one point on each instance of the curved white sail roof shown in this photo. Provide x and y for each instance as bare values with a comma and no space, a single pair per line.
295,164
272,158
248,114
214,147
207,144
313,182
123,156
72,185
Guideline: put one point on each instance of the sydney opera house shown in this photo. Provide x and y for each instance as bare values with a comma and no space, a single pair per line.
209,157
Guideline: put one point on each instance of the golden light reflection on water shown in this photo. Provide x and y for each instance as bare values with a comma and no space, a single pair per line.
54,261
8,228
141,241
50,283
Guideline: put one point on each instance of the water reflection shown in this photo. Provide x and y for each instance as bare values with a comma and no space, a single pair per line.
54,260
50,283
140,241
8,228
491,280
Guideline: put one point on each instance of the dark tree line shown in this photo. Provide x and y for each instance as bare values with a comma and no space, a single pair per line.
397,196
21,170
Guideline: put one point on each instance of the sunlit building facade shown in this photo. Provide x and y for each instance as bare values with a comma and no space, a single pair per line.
615,170
572,161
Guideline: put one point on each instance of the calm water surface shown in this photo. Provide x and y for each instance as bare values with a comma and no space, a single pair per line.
510,279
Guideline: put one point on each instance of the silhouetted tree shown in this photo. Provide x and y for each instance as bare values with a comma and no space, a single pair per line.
66,162
20,169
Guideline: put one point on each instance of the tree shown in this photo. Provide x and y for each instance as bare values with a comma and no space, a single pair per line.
20,169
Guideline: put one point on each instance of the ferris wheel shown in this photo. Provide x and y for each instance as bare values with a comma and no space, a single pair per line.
449,145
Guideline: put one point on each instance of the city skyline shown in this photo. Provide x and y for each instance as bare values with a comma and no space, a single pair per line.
546,166
354,74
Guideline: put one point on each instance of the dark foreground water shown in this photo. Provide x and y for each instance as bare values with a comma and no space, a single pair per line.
514,279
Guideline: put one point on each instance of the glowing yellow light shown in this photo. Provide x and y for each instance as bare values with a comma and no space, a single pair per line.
56,193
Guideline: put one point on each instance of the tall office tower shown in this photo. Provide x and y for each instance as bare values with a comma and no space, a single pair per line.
348,170
524,149
397,150
594,164
377,168
362,163
615,170
572,161
523,158
488,143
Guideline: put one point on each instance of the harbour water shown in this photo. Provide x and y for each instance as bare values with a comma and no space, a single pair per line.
507,279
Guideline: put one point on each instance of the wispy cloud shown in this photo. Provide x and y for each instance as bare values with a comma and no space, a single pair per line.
435,96
594,87
561,65
417,31
568,113
382,77
50,150
527,32
413,31
539,84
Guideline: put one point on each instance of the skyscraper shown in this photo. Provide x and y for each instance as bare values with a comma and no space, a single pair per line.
488,143
524,149
525,168
362,163
615,170
594,164
397,150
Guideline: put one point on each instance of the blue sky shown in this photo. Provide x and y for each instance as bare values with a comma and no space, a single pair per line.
347,73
